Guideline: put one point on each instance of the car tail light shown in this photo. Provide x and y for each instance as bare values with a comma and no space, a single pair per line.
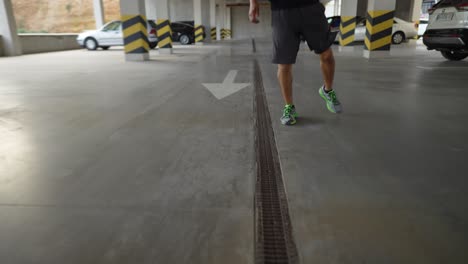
462,7
153,32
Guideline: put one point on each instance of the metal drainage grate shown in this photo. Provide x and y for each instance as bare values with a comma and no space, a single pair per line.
274,242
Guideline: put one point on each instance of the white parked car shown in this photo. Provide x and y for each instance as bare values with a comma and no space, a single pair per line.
111,35
402,30
447,31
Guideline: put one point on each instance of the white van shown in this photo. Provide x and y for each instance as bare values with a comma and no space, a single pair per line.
447,31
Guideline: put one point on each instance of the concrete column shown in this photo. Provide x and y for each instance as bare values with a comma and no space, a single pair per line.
416,10
380,14
8,30
198,17
163,24
135,33
151,7
202,19
162,9
220,13
336,6
362,8
99,13
349,10
206,20
213,19
227,24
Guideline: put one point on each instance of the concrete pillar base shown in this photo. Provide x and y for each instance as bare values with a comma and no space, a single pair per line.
346,48
376,54
166,51
137,57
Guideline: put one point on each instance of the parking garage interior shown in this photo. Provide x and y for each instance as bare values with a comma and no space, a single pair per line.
176,154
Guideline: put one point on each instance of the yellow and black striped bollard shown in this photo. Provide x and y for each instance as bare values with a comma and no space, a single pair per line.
347,30
199,33
227,33
379,30
416,25
163,29
213,33
135,34
223,33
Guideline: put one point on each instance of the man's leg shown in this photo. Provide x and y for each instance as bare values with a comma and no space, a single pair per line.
285,79
286,43
327,63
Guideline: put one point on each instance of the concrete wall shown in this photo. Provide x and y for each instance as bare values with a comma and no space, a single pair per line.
181,10
37,43
243,29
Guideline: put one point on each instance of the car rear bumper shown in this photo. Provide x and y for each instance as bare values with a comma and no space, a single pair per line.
446,39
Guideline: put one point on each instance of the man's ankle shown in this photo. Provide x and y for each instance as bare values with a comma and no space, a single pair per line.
326,90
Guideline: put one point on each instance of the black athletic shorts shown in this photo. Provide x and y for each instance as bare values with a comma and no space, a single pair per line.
290,25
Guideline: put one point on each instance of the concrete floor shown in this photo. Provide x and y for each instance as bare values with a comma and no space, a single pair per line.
103,161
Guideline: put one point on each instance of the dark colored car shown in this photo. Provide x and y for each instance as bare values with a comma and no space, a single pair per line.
184,32
334,23
189,22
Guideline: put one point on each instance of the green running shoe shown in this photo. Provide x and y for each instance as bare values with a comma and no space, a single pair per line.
330,98
289,115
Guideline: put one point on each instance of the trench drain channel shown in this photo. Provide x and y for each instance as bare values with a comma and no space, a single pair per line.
274,241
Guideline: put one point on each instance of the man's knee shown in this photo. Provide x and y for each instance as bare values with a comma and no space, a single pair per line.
284,68
327,56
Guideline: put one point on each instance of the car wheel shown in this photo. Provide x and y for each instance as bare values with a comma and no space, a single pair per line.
91,44
105,47
153,45
184,40
454,55
398,38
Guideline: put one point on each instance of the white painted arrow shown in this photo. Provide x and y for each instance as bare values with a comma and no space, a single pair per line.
228,87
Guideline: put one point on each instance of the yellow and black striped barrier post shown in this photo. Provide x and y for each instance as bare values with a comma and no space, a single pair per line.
223,33
227,33
213,33
379,30
347,30
199,32
135,35
164,32
416,25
